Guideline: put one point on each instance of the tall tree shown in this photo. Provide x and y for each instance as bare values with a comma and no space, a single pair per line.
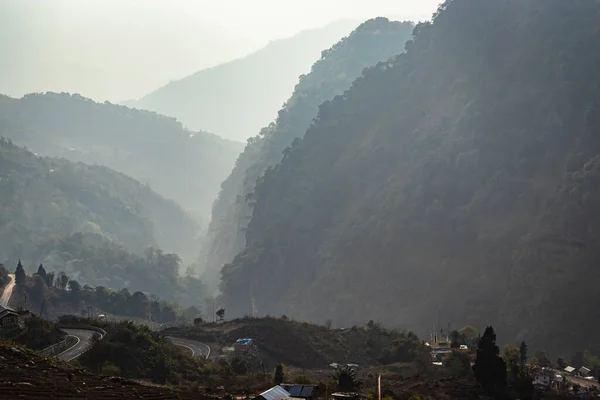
346,379
20,274
42,273
523,352
489,368
62,281
278,376
50,277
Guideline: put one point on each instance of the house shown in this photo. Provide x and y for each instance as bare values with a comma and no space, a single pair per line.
569,370
275,393
542,380
242,345
543,377
302,391
583,371
9,318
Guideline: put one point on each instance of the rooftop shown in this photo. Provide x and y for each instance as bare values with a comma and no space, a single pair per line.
275,393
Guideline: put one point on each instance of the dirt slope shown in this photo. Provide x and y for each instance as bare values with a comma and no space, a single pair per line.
25,375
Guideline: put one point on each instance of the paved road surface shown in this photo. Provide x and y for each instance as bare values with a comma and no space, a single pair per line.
198,349
7,291
83,340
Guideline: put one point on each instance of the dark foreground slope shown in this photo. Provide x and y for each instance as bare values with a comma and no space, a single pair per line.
373,41
237,98
184,166
30,376
459,179
43,198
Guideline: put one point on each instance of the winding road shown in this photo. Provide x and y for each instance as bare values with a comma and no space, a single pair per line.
7,291
198,349
83,341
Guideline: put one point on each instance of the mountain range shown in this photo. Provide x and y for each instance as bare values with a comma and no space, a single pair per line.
251,88
151,148
373,41
457,181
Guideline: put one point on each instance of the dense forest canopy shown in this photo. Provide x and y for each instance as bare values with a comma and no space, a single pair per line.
148,147
42,198
237,98
459,179
373,41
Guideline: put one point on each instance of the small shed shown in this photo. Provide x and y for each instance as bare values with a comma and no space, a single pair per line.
303,391
569,369
8,318
242,344
584,371
275,393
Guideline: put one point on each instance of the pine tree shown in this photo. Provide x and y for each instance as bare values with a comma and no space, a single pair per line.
523,352
42,273
20,274
489,368
278,377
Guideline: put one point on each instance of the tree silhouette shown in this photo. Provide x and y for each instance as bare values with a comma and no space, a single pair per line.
489,368
20,274
42,273
278,376
523,352
346,379
221,314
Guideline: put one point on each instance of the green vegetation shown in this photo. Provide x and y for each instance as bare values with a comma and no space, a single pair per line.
135,351
470,162
36,333
346,379
3,276
278,376
43,200
458,363
148,147
60,294
373,41
98,262
490,369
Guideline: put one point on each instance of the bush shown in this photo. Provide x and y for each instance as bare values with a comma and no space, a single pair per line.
110,369
301,380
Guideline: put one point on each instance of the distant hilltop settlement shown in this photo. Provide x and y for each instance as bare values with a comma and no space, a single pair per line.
440,345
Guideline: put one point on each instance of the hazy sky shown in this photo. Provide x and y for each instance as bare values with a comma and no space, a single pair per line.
121,49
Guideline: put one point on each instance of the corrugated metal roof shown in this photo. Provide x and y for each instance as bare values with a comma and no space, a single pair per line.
303,391
6,312
584,370
275,393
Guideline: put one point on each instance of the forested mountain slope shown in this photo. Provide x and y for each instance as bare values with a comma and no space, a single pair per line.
45,198
238,98
373,41
461,178
180,165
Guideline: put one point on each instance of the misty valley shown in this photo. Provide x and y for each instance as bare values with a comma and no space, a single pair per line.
392,208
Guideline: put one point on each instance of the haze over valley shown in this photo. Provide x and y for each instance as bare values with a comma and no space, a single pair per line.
296,186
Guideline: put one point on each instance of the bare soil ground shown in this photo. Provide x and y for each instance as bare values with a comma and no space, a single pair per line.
26,375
